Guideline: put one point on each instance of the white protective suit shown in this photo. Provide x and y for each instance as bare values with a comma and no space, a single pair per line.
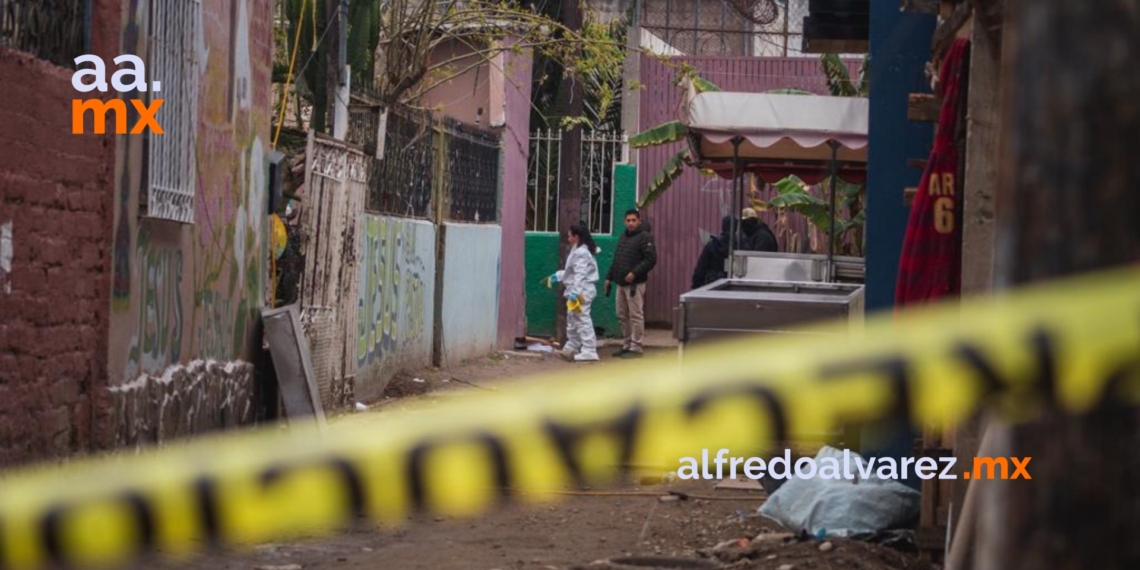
578,277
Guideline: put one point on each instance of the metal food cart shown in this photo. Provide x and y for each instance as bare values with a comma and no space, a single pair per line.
774,136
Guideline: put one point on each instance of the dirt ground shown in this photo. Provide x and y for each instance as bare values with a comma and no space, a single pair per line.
585,528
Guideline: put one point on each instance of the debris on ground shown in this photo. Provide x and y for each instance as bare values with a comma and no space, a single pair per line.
842,507
738,485
781,550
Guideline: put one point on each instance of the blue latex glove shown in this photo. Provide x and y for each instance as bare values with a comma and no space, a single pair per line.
553,277
573,297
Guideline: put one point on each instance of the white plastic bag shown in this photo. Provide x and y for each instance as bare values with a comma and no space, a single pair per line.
842,507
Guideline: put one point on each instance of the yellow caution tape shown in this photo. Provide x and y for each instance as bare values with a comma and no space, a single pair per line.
1074,345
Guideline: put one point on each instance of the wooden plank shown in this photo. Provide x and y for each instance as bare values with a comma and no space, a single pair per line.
947,30
923,108
908,194
917,163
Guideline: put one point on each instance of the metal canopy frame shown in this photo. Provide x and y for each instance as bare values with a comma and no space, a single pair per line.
764,121
738,169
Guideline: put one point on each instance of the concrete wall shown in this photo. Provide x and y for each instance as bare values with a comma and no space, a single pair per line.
396,301
470,299
185,293
55,204
542,260
516,150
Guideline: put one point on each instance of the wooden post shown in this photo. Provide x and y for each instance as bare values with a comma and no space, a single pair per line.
1075,185
570,95
979,219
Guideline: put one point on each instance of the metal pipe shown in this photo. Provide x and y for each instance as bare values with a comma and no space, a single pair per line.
831,223
733,239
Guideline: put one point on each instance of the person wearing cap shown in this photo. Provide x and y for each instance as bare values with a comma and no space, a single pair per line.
755,234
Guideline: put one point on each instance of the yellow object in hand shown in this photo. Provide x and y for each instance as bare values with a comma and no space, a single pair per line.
574,305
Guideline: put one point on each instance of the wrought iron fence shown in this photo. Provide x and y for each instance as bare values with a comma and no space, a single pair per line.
401,182
471,172
542,182
54,30
771,28
599,152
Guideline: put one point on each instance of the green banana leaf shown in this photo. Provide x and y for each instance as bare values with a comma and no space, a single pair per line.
794,197
704,85
672,131
665,178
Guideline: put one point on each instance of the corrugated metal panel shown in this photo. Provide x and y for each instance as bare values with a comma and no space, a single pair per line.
698,203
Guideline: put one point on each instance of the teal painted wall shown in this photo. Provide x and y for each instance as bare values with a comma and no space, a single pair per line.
542,260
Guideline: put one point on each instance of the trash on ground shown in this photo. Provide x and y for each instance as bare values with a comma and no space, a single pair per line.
771,537
903,540
739,484
840,507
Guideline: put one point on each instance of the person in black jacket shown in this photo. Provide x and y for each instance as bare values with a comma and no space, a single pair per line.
756,235
711,263
634,257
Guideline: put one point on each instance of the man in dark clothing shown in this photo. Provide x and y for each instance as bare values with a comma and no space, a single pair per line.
711,263
757,236
634,257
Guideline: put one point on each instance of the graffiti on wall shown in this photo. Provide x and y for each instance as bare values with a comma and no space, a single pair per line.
158,333
195,291
392,292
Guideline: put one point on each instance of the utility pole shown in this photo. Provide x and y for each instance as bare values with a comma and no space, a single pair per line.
1074,188
570,104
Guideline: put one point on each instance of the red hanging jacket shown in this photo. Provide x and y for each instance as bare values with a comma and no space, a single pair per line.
931,262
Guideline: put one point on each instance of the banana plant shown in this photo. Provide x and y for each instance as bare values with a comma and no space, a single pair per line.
669,133
793,195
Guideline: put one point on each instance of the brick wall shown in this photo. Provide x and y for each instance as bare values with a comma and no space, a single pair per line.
55,207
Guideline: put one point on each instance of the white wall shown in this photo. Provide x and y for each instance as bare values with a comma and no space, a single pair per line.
470,290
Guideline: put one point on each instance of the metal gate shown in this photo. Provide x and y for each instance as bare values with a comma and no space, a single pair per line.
599,152
336,181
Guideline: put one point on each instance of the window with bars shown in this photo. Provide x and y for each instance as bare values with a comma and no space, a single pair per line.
173,62
53,30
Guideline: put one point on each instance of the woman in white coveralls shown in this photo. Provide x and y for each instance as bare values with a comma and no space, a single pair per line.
578,278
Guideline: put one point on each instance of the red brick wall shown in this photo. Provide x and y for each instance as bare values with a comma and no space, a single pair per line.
56,191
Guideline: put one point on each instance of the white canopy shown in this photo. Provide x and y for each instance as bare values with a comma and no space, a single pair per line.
778,127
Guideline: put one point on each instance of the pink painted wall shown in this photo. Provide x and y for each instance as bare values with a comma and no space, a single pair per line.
516,150
695,202
501,88
462,96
